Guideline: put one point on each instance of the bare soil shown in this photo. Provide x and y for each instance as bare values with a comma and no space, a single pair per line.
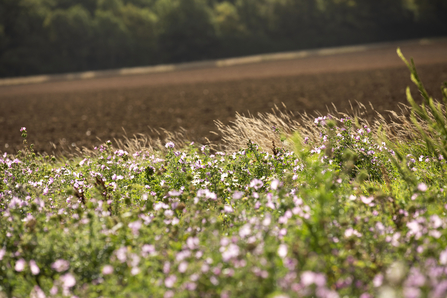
58,114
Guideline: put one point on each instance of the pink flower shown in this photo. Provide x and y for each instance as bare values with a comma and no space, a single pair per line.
135,227
37,293
34,268
107,269
22,129
378,280
238,195
20,265
443,257
135,271
170,281
68,280
366,200
182,267
2,253
422,187
256,184
60,265
228,209
275,184
309,277
147,249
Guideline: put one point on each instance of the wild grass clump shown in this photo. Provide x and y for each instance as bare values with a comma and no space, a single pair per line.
325,207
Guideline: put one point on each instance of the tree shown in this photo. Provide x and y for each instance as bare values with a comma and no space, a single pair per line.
71,32
141,24
112,40
187,31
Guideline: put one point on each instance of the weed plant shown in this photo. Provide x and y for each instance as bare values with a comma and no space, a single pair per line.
333,208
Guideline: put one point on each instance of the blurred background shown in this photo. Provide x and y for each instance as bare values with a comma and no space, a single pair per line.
57,36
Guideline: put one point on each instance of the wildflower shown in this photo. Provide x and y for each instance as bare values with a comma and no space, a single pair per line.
121,254
135,271
135,227
422,187
20,265
34,268
256,183
232,251
60,265
228,209
23,129
37,293
275,184
148,249
182,267
68,280
282,250
443,257
366,200
170,281
309,277
174,193
378,280
238,195
169,145
107,269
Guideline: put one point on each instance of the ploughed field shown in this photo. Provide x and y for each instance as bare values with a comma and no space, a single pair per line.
76,113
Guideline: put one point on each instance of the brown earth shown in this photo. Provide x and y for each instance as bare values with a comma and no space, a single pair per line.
77,112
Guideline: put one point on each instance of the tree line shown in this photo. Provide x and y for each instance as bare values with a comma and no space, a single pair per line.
54,36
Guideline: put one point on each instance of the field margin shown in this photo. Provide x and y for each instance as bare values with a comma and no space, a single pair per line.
212,63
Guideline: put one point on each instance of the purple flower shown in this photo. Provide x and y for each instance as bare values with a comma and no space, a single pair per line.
22,129
169,145
60,265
